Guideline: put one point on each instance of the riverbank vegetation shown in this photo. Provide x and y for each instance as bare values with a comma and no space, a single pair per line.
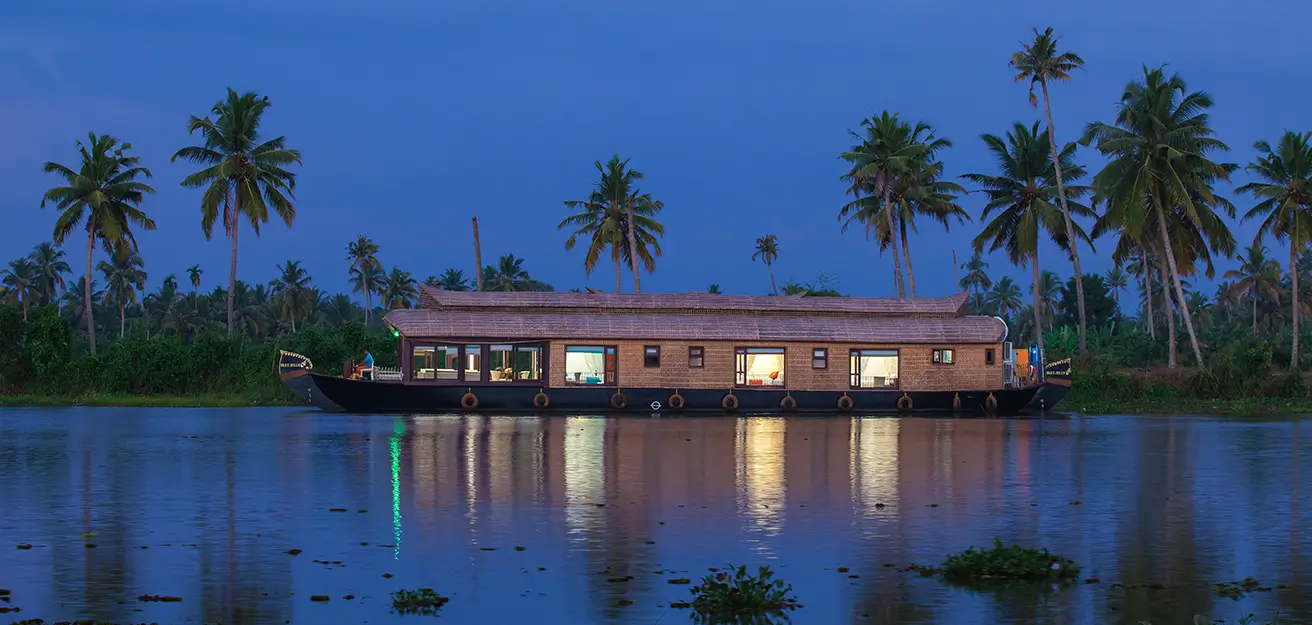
1155,206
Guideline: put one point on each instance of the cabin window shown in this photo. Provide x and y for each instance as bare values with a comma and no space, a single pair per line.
989,357
874,368
820,358
514,363
696,357
651,356
590,364
423,362
943,357
473,363
759,366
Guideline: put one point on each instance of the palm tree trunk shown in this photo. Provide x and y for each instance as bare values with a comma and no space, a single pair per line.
619,277
1066,212
1038,319
1254,313
24,308
906,251
122,320
892,239
1148,293
86,284
1179,290
773,288
1169,313
633,251
232,270
478,258
1294,313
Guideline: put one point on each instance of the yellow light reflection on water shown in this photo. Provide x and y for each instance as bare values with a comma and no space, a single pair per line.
759,462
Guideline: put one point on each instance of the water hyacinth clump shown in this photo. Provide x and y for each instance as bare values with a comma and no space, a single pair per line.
1004,564
422,601
736,596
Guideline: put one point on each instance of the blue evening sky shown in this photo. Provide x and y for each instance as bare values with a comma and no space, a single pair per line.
414,116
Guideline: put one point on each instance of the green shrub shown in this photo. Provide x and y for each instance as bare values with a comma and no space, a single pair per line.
422,601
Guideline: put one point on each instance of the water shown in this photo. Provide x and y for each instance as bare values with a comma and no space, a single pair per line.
219,496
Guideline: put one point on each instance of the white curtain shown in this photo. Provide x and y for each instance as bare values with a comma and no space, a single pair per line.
584,364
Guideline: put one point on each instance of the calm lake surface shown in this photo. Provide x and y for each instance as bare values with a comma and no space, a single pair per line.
205,504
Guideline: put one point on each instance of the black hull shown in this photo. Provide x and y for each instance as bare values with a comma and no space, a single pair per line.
340,394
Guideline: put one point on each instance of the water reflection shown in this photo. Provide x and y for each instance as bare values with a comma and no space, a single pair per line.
607,510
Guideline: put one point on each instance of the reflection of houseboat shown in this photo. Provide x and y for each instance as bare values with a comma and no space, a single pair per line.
583,352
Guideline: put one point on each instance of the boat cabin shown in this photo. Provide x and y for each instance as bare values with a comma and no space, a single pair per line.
698,341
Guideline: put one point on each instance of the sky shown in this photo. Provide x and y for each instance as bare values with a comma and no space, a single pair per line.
413,116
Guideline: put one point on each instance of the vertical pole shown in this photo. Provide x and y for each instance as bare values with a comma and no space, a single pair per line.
956,270
478,259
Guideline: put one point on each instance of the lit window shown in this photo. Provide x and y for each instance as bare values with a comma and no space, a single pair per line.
589,364
874,368
759,366
651,356
820,358
943,357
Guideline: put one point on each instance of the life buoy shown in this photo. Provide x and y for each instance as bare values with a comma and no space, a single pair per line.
676,401
541,400
991,403
904,402
788,404
956,402
730,402
618,401
469,401
845,403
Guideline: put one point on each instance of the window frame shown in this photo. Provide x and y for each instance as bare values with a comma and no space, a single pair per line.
698,353
484,347
854,377
936,356
820,355
990,357
647,356
741,353
609,374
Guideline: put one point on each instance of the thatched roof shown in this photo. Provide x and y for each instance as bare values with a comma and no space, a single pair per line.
950,306
510,326
692,316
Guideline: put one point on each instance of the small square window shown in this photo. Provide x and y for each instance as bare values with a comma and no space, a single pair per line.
651,356
820,358
989,357
943,357
696,357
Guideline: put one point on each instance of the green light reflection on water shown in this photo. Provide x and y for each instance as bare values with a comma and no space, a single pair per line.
394,447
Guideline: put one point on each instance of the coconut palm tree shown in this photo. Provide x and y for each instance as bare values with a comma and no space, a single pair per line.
1159,169
242,175
714,289
399,291
452,280
1023,199
80,310
1049,293
977,304
975,279
921,193
1004,298
617,215
1284,193
507,275
1256,275
50,268
22,280
1117,282
1040,62
363,254
107,191
292,294
767,250
888,147
193,276
124,277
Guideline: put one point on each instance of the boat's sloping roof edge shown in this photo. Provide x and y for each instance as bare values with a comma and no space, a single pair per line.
952,305
519,325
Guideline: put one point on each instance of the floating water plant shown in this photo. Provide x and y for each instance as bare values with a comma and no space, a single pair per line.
1238,590
422,601
159,598
738,596
1005,564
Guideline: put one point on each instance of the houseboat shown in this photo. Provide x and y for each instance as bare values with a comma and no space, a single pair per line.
663,353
